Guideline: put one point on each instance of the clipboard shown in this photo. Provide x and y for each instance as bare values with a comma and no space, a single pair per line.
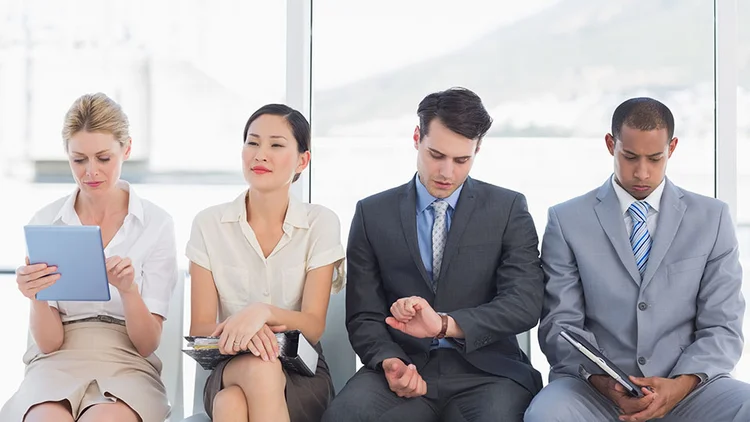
588,350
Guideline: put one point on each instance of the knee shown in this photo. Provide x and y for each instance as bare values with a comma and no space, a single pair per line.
335,413
252,371
547,408
230,401
743,412
45,412
344,408
500,410
539,412
115,412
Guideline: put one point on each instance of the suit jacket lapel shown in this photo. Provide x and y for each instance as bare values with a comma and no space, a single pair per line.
408,207
671,211
464,208
611,218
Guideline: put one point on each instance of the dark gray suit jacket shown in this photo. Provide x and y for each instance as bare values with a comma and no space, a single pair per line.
491,281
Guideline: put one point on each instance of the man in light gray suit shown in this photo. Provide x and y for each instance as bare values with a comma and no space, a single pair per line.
649,274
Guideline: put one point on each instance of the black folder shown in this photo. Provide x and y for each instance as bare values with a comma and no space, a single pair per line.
595,356
295,352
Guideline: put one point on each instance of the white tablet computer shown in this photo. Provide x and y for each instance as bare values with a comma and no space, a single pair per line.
78,254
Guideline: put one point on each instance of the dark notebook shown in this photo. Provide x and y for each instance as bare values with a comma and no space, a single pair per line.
295,352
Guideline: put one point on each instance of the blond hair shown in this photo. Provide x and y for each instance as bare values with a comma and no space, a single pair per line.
96,113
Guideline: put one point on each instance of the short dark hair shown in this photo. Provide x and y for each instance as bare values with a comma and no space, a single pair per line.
643,113
296,120
459,109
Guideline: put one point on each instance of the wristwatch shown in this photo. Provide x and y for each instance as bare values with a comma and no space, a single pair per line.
444,328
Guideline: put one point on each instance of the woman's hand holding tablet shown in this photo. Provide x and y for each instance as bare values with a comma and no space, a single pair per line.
32,279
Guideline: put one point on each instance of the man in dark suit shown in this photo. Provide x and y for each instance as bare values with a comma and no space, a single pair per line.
443,273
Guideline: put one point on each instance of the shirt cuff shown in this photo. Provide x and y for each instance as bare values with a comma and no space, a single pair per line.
583,373
157,307
331,256
703,377
197,256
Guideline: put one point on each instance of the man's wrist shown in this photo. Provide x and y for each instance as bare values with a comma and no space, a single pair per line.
689,381
600,383
596,379
385,362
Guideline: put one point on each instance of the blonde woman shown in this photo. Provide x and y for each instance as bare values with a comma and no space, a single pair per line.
265,262
94,361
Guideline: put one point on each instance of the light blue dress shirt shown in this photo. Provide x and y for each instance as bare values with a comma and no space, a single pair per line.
425,218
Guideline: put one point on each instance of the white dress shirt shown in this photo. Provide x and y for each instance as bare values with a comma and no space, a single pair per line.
223,242
653,200
146,237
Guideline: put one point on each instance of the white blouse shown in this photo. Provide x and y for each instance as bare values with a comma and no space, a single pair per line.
146,237
223,242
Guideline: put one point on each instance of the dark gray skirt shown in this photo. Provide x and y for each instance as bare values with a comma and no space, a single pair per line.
306,397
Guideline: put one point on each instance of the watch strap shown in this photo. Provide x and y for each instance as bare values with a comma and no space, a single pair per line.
444,328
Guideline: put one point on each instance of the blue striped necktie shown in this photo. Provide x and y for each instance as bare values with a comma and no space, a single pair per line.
640,239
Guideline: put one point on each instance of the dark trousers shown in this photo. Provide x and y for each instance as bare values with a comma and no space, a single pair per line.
456,392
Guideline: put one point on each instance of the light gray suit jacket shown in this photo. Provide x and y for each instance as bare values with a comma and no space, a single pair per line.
684,317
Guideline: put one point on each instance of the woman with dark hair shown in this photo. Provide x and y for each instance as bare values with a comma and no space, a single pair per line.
260,264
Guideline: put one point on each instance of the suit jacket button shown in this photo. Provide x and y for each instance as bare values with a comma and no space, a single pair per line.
643,306
641,360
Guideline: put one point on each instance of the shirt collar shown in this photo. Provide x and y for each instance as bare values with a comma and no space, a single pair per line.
296,213
68,215
425,199
653,200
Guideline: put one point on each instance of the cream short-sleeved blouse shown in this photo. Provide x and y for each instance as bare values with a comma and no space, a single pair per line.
222,242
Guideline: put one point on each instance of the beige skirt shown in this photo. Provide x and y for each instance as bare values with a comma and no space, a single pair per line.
96,364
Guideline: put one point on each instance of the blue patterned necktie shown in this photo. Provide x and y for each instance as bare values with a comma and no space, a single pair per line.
439,235
640,239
